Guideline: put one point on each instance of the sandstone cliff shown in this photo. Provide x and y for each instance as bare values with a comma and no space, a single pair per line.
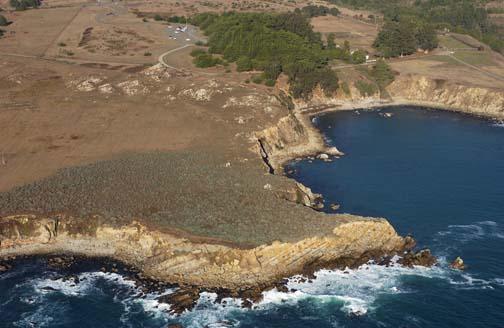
293,136
175,259
450,95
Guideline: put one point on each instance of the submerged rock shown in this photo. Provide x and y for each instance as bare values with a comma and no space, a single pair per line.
458,264
5,267
334,207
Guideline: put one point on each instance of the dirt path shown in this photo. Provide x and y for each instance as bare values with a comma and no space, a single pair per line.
493,75
169,52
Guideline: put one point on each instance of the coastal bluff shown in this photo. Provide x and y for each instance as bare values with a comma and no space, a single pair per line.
198,262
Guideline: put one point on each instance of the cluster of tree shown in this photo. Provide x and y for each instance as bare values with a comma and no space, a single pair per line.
344,53
403,36
315,11
24,4
463,16
274,44
382,74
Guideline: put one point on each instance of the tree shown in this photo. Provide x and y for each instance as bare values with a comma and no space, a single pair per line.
272,70
243,64
330,41
3,21
396,39
382,74
426,37
358,57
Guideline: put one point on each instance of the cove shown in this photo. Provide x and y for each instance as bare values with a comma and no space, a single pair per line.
435,174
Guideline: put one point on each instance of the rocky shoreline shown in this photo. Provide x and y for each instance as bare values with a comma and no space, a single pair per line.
185,297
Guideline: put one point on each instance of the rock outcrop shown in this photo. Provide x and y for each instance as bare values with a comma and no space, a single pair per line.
458,264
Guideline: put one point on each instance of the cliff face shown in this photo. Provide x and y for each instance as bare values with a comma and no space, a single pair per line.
293,136
442,93
179,260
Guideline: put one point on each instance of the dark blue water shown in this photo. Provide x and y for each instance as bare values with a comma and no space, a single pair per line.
435,174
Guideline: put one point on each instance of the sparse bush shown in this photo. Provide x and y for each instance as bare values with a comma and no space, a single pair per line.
197,52
177,19
205,60
62,44
200,43
270,82
258,79
147,54
68,53
158,18
243,64
345,88
145,20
